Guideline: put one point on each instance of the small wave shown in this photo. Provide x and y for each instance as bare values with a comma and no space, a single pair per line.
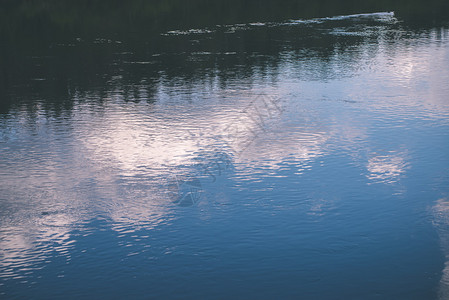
379,16
202,53
344,32
187,32
441,222
389,14
232,28
257,24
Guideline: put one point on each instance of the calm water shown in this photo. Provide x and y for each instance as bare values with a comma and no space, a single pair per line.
305,159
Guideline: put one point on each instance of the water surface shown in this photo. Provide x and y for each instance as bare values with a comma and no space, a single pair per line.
297,159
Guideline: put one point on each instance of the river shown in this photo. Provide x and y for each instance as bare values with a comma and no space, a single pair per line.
303,158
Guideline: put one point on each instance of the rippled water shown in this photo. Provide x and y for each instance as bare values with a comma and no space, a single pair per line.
303,159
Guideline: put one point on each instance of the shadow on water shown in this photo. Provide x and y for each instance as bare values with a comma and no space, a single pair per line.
54,49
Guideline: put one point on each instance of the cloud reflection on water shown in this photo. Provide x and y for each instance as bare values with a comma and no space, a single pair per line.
115,159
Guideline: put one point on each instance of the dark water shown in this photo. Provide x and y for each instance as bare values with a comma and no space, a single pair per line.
301,159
